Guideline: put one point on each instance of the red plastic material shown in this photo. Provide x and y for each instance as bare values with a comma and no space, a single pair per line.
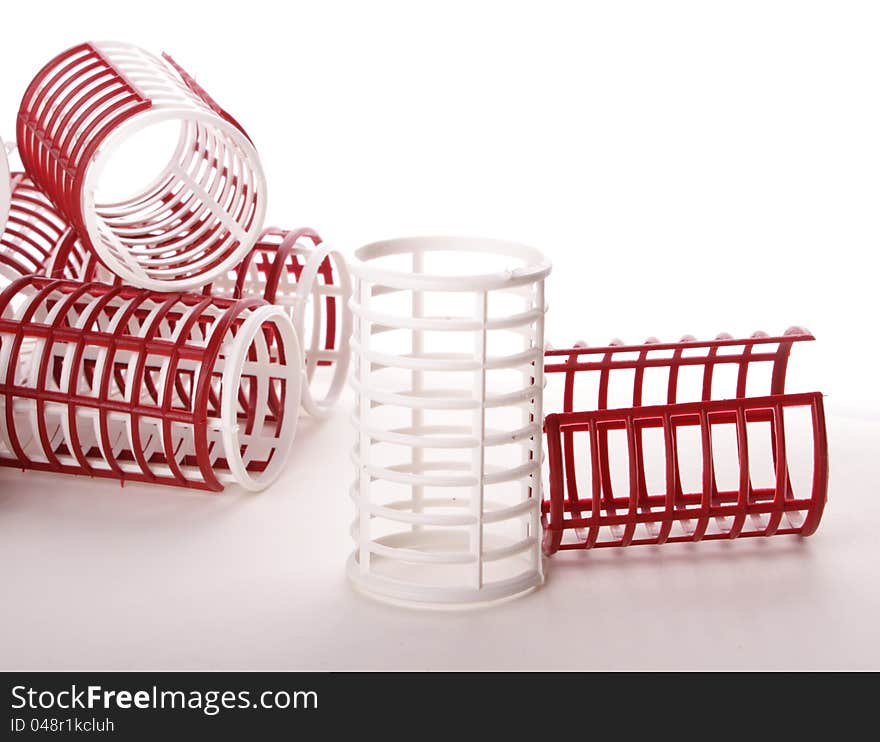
272,271
72,260
582,510
58,167
128,384
33,230
39,240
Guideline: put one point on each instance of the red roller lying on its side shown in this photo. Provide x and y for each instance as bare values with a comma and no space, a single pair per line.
582,508
129,384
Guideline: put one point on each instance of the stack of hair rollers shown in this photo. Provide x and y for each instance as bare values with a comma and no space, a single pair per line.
171,338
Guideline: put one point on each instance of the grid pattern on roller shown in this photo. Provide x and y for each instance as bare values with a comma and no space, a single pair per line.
128,384
585,507
292,268
447,414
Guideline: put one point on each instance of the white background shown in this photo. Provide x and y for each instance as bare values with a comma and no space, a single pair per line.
689,167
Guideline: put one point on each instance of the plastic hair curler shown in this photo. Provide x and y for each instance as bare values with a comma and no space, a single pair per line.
731,461
291,269
128,384
198,218
295,270
448,345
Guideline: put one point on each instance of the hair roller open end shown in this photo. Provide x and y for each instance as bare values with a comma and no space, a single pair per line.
128,384
448,346
294,269
204,211
707,457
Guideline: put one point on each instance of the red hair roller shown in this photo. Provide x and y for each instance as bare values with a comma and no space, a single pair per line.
128,384
586,508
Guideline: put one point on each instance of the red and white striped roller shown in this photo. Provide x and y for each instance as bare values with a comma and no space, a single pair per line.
197,219
128,384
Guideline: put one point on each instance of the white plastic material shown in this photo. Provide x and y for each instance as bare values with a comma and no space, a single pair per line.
205,210
448,376
338,357
268,273
5,184
269,441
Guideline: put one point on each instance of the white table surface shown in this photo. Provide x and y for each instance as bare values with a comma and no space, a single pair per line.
95,576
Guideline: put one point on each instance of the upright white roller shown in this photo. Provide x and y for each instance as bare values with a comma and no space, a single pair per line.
448,377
